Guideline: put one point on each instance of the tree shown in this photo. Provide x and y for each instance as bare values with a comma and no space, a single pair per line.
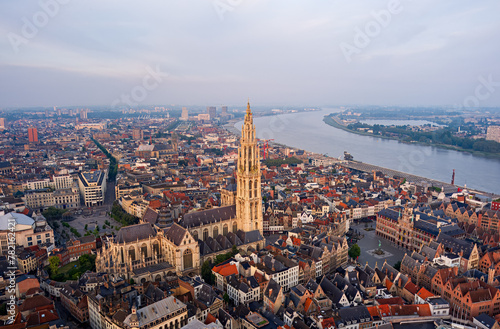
206,272
234,250
86,226
53,213
226,298
354,251
54,262
397,266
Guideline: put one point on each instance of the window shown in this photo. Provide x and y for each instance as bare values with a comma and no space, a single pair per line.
30,238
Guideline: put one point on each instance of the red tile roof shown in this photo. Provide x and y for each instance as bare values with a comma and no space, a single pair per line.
424,293
411,287
210,319
307,304
35,302
226,269
391,301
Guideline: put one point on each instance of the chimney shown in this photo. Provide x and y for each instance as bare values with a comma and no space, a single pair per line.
270,292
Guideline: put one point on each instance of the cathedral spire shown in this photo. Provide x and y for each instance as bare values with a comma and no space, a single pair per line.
248,193
248,116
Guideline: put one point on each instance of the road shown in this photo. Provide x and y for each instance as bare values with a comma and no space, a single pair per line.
109,198
65,318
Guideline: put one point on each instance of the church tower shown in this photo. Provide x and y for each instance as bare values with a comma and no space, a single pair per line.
248,193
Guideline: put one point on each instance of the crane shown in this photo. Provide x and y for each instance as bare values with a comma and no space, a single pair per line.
266,148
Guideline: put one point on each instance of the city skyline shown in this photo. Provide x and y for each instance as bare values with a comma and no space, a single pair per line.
64,53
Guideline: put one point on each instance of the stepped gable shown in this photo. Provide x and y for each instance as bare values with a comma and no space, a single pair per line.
135,232
208,216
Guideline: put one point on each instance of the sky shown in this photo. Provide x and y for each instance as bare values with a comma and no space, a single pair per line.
119,53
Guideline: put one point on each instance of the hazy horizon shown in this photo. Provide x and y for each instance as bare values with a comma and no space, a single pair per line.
285,53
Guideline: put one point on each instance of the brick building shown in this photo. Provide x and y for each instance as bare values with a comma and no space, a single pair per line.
83,246
75,301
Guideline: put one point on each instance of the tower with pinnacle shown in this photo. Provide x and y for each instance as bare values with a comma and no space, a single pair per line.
248,193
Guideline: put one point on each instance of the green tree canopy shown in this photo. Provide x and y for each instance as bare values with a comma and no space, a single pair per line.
206,272
354,251
54,262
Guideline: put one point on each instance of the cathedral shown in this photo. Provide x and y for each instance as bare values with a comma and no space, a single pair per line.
146,252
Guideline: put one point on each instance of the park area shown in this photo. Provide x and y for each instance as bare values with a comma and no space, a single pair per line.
70,271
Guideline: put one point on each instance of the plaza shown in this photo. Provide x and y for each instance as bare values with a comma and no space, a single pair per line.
370,243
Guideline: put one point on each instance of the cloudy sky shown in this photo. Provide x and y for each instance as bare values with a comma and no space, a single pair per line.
311,53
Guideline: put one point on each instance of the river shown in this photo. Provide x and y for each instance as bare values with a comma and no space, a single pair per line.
307,131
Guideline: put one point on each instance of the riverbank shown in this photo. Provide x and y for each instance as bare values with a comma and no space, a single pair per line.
329,120
308,132
365,167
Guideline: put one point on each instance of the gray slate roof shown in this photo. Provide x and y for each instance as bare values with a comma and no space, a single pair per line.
204,217
175,233
135,232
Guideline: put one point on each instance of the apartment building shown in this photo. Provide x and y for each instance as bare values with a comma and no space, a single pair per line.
92,187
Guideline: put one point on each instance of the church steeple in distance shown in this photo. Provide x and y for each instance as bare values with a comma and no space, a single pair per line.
248,193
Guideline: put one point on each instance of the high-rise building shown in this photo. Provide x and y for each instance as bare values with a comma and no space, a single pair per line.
2,123
92,187
493,134
224,111
137,134
32,135
184,115
212,111
248,195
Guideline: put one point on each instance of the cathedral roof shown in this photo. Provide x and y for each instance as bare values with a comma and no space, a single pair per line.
249,237
135,232
208,216
150,216
175,233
